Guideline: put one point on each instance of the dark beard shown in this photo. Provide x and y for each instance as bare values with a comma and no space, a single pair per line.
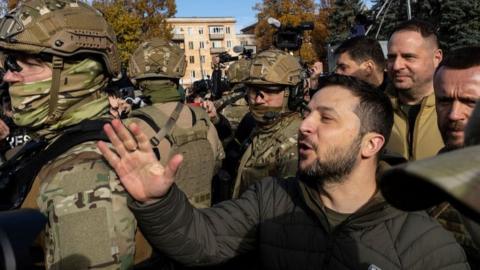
339,163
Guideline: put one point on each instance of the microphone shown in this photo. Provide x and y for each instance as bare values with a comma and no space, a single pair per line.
274,22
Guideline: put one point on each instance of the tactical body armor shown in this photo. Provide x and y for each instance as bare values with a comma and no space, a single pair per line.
272,152
88,219
156,66
188,137
232,105
273,148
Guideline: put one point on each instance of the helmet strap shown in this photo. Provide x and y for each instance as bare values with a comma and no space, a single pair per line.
57,67
286,98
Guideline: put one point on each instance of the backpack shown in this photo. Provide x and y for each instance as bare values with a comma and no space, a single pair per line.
194,177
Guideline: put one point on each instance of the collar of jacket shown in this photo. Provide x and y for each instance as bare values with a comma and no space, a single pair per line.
375,211
392,93
284,120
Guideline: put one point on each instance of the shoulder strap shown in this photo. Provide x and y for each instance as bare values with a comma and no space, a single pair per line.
199,113
155,140
23,170
89,130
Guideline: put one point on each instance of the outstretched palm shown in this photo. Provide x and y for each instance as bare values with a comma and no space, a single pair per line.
135,163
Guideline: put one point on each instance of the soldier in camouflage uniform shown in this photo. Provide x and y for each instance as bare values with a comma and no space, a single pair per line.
156,67
274,78
236,110
61,55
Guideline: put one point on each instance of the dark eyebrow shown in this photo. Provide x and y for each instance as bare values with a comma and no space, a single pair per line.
326,109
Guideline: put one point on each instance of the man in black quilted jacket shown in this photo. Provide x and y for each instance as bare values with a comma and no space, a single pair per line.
331,216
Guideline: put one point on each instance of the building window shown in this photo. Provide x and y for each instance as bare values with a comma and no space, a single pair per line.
190,45
216,29
216,44
192,59
190,31
200,30
229,44
202,59
202,44
227,29
192,73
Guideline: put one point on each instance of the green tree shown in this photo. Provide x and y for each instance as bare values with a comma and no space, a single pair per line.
460,23
288,12
457,21
342,18
136,20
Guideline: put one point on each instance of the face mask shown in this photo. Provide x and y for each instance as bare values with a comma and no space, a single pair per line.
265,114
30,102
79,97
160,91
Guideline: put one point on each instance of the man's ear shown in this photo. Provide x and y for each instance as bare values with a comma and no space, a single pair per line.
372,143
368,67
437,57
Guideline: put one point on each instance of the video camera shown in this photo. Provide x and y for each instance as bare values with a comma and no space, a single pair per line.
289,37
246,53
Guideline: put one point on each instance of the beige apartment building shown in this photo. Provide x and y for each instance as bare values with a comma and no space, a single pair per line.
202,38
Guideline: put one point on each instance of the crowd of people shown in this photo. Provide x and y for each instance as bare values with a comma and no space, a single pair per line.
371,167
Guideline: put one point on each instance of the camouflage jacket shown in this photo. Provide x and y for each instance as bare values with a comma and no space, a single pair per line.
273,152
87,213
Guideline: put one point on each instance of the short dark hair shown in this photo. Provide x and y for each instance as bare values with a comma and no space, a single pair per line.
374,109
462,58
361,49
426,29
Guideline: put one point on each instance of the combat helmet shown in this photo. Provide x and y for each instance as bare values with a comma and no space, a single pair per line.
278,71
62,28
238,71
274,67
60,31
157,58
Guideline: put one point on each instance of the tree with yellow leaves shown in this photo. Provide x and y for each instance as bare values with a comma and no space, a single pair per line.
136,20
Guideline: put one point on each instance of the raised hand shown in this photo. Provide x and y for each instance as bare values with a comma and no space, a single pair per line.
135,163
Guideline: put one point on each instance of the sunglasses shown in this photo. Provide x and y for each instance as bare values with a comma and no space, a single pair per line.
11,64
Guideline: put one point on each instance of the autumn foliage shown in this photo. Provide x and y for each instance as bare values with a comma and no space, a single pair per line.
136,20
292,12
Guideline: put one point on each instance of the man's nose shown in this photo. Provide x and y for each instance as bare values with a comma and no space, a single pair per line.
12,77
456,111
259,97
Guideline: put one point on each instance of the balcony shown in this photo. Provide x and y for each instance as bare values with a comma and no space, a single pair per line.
178,37
217,36
218,50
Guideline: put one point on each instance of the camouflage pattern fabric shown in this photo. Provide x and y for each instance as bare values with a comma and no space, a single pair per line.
235,112
199,144
30,101
273,152
89,223
452,221
274,67
238,71
157,58
62,28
